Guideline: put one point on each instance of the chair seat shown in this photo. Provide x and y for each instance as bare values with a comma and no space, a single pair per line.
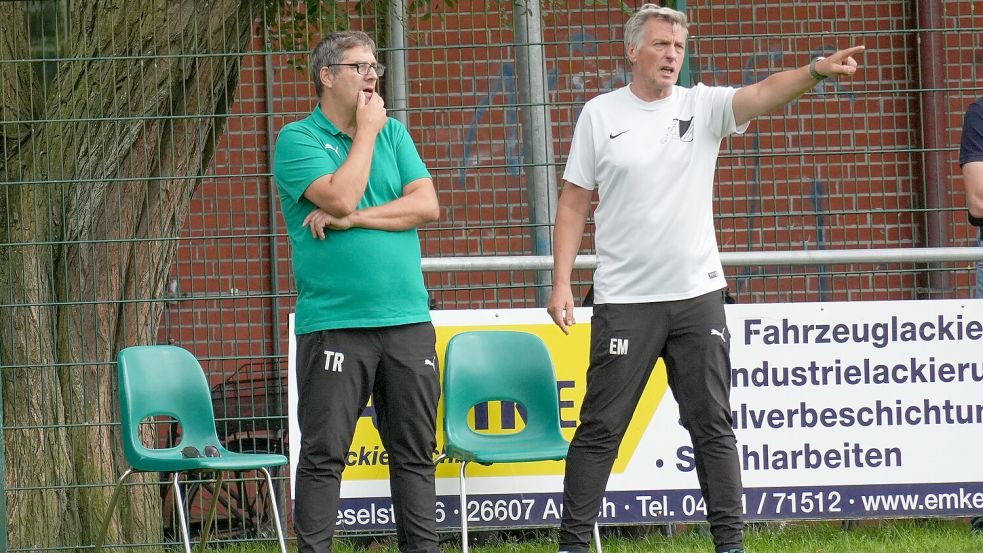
489,449
171,460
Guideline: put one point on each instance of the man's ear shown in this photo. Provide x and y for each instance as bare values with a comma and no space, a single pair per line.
327,78
630,53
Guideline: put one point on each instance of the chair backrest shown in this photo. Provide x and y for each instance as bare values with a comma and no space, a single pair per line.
491,365
163,381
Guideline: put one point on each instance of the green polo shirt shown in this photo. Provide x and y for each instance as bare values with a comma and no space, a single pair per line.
356,278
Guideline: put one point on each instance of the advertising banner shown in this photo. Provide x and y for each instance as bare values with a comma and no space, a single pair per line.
841,410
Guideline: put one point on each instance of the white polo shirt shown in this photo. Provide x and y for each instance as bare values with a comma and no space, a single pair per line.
653,165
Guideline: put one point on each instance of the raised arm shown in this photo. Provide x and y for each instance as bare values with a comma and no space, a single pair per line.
781,88
339,193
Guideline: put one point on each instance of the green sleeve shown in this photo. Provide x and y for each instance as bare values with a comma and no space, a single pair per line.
300,159
411,167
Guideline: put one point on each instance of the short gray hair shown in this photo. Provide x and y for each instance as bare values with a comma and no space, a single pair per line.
332,49
633,28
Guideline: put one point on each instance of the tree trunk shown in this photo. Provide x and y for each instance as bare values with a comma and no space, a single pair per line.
96,194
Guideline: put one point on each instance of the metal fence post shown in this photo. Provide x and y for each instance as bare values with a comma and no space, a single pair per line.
537,137
3,477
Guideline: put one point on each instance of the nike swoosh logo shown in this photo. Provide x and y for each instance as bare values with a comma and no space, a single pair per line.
612,136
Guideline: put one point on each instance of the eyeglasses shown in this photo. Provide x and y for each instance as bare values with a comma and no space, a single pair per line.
363,68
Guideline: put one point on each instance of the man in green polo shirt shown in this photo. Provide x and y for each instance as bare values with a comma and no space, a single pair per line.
353,190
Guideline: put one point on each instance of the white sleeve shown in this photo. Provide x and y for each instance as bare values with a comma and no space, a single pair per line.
721,104
580,166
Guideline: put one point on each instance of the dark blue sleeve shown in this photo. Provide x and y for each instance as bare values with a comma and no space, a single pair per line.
971,147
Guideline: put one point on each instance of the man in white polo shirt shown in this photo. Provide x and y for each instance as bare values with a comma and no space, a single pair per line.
650,151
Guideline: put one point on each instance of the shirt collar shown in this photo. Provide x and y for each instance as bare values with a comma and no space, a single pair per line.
654,104
323,122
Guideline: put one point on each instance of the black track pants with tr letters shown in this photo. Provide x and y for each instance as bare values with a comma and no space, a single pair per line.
337,371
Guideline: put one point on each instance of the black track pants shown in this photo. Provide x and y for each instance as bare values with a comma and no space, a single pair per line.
337,372
626,340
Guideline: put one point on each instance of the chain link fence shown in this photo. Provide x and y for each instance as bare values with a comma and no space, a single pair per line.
491,93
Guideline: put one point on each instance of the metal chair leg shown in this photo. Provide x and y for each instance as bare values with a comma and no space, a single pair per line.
212,507
276,513
182,520
101,538
597,538
464,510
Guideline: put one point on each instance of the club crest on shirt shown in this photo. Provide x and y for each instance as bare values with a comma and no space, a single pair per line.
680,128
686,129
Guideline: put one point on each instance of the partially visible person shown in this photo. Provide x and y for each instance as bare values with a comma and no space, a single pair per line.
353,190
650,150
971,161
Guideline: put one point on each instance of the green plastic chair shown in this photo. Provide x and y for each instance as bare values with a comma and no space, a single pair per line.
169,381
491,365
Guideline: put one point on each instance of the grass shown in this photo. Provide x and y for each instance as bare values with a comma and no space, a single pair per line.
888,536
